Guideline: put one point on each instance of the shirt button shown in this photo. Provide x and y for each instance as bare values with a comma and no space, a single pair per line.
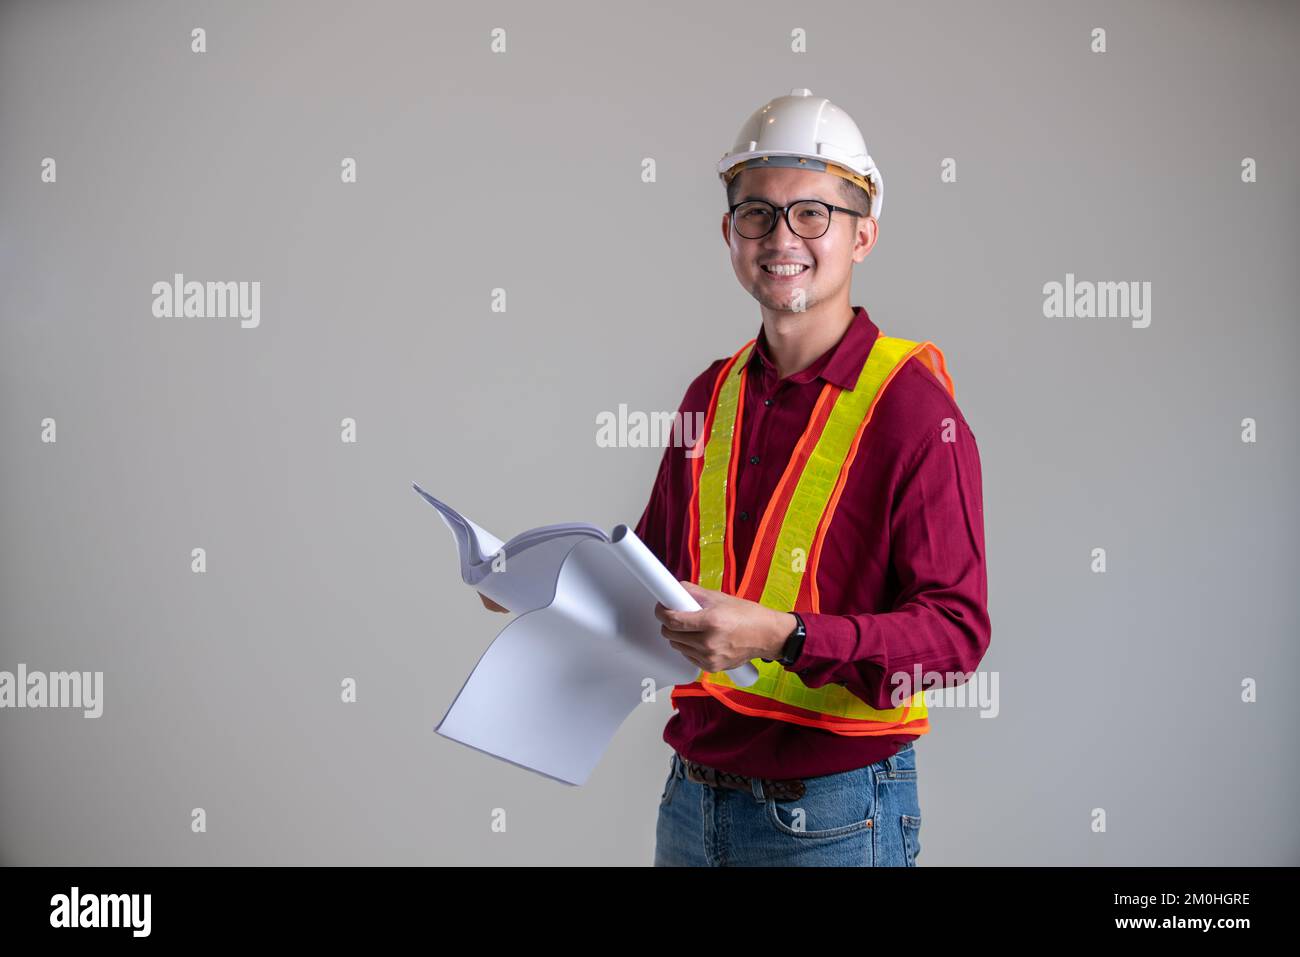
753,460
744,516
767,402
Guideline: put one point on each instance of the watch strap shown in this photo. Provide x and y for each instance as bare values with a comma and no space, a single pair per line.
794,644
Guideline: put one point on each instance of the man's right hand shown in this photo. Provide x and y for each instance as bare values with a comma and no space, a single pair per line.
490,605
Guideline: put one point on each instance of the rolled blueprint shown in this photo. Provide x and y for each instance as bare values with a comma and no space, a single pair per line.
666,589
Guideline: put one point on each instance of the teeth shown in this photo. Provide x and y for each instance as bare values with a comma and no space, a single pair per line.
786,270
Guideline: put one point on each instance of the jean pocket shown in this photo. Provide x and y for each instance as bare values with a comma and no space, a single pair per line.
670,785
911,838
833,805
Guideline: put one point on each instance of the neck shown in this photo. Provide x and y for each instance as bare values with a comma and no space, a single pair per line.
797,339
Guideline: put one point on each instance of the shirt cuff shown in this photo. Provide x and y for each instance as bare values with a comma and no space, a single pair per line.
830,644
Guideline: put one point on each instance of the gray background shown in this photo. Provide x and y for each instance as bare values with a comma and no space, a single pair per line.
522,171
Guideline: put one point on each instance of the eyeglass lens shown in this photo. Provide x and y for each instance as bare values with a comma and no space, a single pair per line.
808,219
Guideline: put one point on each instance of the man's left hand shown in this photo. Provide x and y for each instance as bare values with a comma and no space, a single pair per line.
726,632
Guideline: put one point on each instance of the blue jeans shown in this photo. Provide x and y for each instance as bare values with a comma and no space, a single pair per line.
867,817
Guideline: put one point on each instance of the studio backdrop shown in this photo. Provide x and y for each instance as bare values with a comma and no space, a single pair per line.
450,238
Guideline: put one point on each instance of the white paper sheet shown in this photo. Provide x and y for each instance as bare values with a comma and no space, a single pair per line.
558,682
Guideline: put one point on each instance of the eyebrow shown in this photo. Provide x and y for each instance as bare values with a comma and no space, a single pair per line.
764,199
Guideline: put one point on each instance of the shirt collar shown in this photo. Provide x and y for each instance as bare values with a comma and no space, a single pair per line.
839,365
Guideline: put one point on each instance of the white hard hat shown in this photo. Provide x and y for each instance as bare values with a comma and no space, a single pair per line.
809,132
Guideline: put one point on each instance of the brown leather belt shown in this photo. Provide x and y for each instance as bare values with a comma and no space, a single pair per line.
789,789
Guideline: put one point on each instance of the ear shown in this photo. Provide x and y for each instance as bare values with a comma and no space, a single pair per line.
871,227
726,229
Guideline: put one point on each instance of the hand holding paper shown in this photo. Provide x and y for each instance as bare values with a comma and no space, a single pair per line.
669,592
727,633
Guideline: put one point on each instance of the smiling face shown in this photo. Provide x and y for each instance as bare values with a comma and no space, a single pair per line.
827,261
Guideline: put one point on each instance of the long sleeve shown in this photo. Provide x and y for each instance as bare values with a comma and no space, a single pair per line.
652,529
939,622
663,523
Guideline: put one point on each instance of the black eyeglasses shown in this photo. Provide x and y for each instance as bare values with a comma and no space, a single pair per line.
755,218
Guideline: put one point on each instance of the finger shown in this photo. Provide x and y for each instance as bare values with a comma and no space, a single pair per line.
689,639
687,652
685,620
489,604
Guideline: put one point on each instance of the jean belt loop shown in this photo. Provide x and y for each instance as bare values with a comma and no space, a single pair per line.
756,785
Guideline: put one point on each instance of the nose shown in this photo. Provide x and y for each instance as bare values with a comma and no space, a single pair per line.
781,234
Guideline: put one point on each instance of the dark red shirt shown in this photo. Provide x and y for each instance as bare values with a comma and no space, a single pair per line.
901,576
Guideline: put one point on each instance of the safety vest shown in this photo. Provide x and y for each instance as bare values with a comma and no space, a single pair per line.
782,569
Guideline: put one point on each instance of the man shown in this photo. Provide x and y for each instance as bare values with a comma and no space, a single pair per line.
831,531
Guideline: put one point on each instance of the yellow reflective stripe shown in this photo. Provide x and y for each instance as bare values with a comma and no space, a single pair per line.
713,477
822,471
775,681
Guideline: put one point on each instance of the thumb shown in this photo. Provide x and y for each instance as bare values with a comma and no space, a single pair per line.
695,591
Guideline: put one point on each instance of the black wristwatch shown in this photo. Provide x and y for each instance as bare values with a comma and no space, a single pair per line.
794,644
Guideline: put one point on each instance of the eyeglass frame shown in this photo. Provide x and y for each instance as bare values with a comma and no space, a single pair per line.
785,214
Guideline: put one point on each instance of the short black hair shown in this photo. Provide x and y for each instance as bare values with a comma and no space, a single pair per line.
855,197
852,196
